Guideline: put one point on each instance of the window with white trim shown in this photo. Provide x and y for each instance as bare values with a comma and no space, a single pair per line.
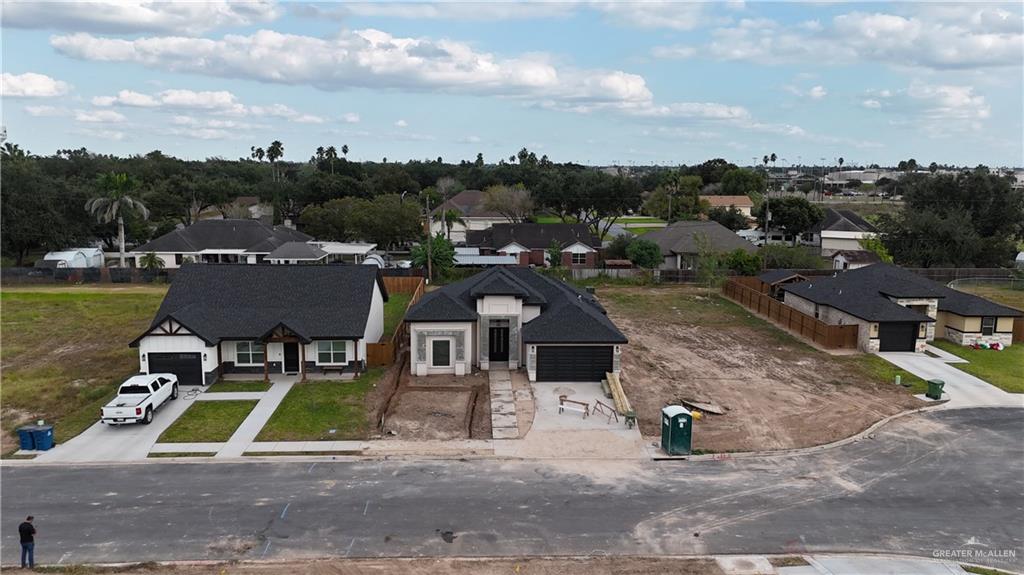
440,353
579,259
988,325
331,352
249,353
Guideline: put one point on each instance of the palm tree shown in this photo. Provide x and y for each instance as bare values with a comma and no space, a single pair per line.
331,153
257,153
450,217
114,198
274,152
151,262
344,150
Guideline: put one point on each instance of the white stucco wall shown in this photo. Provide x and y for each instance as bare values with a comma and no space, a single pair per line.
422,367
530,312
176,344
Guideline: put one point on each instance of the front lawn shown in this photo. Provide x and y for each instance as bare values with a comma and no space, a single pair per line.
642,231
230,386
208,421
1003,369
312,409
880,370
394,312
65,350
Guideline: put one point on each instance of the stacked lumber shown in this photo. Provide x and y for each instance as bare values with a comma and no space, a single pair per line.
622,404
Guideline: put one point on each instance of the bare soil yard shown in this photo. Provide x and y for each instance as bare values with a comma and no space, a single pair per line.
440,407
780,393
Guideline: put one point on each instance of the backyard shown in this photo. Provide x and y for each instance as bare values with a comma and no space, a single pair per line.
1003,369
1004,295
777,391
394,311
65,350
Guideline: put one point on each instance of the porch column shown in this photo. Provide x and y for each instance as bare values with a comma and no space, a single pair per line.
302,361
266,361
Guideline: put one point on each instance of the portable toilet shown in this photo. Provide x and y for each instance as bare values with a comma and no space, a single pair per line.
676,430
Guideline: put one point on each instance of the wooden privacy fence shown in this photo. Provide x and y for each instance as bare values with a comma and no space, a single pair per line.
1018,330
385,352
825,335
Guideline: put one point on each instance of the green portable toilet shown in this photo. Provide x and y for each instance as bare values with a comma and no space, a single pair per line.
676,430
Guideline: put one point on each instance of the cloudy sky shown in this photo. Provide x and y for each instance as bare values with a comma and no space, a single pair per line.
592,82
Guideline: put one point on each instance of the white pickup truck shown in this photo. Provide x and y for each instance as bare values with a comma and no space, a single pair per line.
139,397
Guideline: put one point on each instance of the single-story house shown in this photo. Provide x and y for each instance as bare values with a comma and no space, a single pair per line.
530,243
280,319
472,211
297,253
840,230
898,310
346,252
219,241
853,259
513,317
73,258
471,257
772,281
741,203
679,242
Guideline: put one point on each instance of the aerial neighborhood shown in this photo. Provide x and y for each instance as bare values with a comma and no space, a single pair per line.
657,287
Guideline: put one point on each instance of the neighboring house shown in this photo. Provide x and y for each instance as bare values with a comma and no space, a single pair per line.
772,281
72,258
898,310
679,242
472,257
264,320
741,203
472,212
853,259
297,253
219,241
513,317
346,252
840,230
530,242
242,207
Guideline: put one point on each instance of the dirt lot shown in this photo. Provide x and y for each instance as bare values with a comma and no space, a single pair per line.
439,407
779,392
528,566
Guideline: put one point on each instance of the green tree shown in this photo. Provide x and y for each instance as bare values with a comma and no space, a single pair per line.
743,263
616,249
730,217
275,152
644,253
554,254
877,247
115,198
793,214
449,217
151,262
442,255
513,202
742,182
709,262
794,258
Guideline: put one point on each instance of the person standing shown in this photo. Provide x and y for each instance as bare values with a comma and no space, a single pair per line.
27,531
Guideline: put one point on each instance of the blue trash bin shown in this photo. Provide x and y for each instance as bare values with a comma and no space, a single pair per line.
25,438
43,437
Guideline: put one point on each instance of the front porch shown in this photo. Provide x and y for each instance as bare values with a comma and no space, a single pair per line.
292,378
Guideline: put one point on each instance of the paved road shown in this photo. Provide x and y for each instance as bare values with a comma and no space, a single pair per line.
950,480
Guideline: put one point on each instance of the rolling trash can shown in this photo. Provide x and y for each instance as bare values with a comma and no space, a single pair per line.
935,388
25,439
676,430
42,435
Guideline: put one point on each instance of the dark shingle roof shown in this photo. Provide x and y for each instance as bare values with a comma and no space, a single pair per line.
239,301
863,292
296,251
469,203
679,238
967,304
844,221
253,236
775,276
567,314
532,236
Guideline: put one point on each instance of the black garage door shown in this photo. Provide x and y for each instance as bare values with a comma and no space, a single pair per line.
573,362
187,366
897,336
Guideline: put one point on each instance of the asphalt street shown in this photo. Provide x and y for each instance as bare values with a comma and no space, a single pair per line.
929,484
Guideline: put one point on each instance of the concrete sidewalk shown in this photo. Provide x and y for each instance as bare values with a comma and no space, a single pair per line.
258,417
963,389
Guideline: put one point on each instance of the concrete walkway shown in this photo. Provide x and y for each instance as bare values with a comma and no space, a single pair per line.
232,396
258,417
963,389
503,405
944,355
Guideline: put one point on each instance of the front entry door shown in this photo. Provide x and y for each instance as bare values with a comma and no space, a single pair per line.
498,344
291,357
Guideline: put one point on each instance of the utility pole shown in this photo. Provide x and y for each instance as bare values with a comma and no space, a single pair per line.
430,244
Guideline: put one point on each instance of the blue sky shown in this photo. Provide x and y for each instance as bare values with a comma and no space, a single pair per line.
590,82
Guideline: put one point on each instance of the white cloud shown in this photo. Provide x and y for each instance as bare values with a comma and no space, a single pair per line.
104,134
135,16
469,140
363,58
98,116
198,133
350,118
946,102
31,85
216,123
467,11
674,52
127,98
46,111
215,102
401,124
817,92
871,104
282,111
654,13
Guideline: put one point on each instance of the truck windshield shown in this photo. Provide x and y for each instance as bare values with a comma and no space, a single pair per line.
134,390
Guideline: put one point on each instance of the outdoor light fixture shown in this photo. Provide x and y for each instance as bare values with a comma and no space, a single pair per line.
143,357
204,357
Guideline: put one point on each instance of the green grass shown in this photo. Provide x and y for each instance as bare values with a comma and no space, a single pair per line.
639,220
1004,295
312,409
1003,369
229,386
642,231
547,220
879,369
65,350
394,311
208,421
181,454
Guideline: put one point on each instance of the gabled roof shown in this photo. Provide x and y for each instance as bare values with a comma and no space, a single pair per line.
844,221
253,236
297,251
567,314
726,201
865,292
239,301
680,238
772,277
532,236
966,304
470,203
858,256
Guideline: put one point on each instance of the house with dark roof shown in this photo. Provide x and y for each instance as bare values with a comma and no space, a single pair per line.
680,242
512,317
473,213
853,259
297,253
840,230
270,319
529,243
219,241
772,281
898,310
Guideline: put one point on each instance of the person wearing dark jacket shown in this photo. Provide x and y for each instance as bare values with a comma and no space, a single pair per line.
27,531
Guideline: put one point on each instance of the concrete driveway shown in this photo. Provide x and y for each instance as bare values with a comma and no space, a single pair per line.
120,443
964,389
